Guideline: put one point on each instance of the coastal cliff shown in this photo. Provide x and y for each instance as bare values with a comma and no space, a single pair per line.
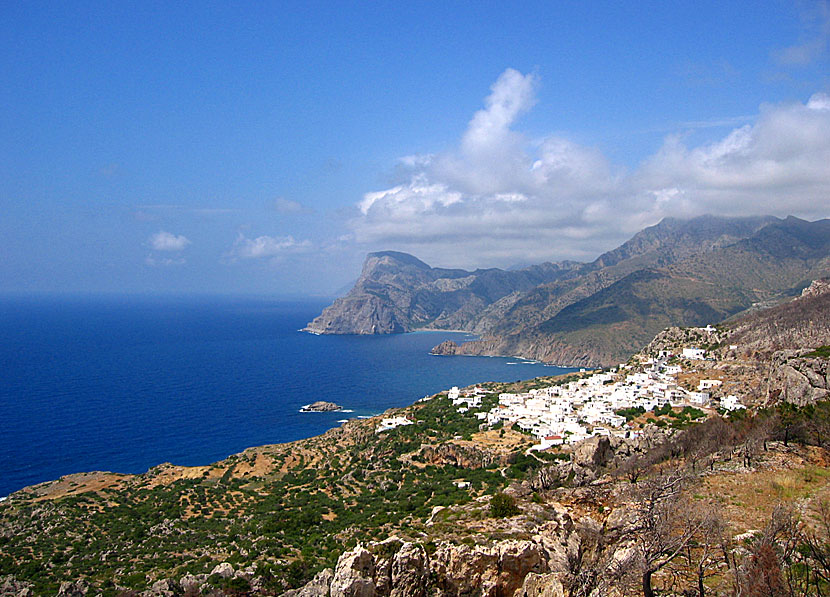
676,273
397,292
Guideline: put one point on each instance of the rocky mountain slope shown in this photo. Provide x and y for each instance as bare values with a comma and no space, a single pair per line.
398,293
675,273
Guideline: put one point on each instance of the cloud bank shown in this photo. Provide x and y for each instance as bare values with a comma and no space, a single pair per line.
500,198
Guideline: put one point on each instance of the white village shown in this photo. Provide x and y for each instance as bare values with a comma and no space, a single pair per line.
568,413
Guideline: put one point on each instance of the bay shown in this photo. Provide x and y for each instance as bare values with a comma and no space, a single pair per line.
123,384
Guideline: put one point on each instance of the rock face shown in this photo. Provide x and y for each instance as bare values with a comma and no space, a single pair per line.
397,292
354,574
317,587
404,569
446,348
677,273
798,378
463,456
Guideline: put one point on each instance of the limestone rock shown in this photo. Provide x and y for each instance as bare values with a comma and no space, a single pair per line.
163,588
410,571
354,574
491,570
225,570
10,586
316,587
541,585
797,378
73,589
190,583
592,453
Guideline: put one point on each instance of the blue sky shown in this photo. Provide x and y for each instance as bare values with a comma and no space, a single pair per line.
208,147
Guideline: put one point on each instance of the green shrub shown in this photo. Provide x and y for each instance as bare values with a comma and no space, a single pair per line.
503,505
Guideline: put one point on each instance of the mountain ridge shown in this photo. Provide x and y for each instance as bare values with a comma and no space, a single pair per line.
677,272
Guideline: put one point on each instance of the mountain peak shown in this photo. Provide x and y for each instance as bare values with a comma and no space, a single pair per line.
403,258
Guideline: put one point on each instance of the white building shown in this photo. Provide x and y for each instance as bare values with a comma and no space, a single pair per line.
694,353
731,402
699,398
392,422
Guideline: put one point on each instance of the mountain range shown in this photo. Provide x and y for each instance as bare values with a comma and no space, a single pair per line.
678,272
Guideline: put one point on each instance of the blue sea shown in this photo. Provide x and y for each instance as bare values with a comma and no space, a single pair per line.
124,384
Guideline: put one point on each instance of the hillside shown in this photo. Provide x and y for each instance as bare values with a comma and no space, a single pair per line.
397,292
604,316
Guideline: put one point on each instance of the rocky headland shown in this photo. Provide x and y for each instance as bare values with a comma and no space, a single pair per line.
676,273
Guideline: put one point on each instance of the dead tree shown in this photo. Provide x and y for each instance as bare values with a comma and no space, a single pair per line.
664,526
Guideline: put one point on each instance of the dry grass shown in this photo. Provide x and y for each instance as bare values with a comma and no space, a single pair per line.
747,498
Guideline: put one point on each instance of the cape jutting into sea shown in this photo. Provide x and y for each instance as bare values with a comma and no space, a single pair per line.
124,384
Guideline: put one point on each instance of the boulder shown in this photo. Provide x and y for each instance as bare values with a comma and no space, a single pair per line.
73,589
593,453
798,379
190,583
225,570
163,588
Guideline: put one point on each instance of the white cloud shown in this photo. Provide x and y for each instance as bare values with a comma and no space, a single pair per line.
500,199
164,241
266,247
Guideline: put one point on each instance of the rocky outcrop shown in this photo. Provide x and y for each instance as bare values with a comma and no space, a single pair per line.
446,348
594,456
462,456
395,568
321,406
354,574
11,587
798,378
593,453
541,585
496,569
316,587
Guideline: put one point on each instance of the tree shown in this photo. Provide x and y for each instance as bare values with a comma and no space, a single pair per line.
664,525
710,541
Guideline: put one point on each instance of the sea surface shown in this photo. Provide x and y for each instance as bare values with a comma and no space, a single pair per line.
124,384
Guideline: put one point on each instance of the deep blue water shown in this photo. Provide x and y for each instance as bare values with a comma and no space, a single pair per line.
124,384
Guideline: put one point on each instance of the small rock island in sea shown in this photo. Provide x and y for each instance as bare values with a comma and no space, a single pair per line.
320,406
